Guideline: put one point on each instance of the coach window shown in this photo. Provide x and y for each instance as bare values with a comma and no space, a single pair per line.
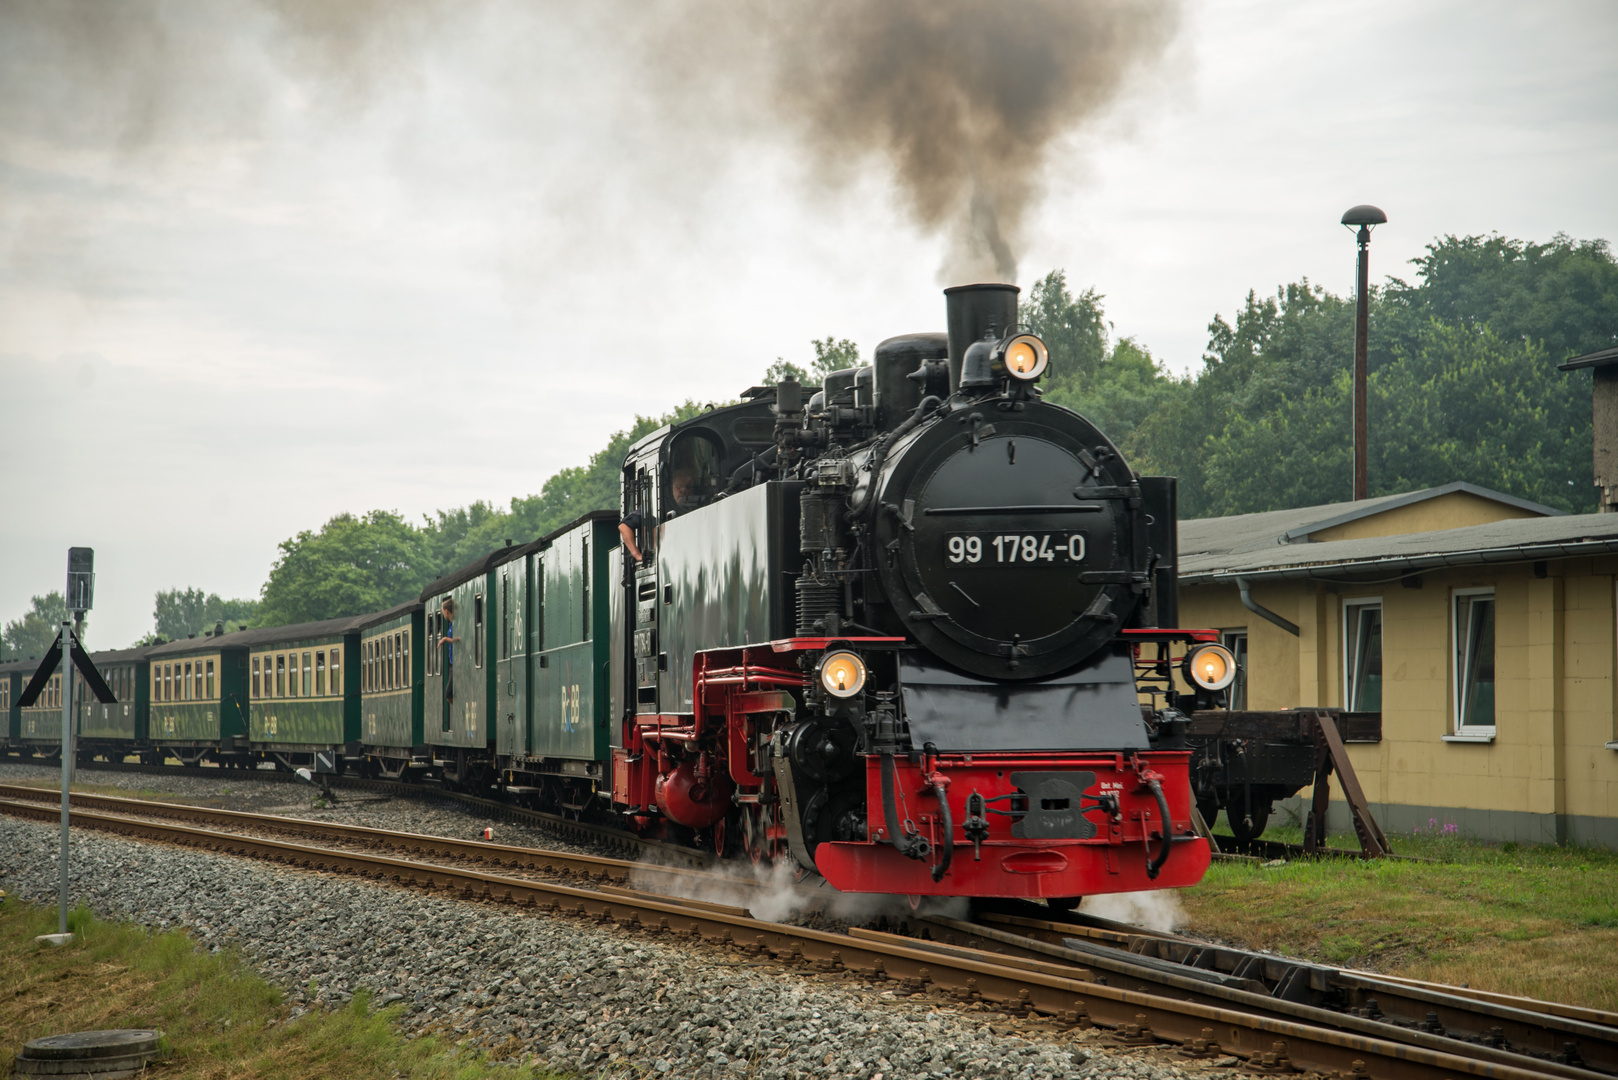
210,680
335,671
404,658
257,688
437,653
584,584
308,674
1362,655
1472,646
280,676
168,682
505,613
320,673
477,630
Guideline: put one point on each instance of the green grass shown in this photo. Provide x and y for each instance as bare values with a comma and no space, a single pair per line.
219,1020
1535,920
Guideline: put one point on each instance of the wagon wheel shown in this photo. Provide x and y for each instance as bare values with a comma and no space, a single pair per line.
1240,829
761,836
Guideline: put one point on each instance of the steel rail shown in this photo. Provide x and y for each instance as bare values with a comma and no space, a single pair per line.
481,852
1416,1015
1068,994
567,828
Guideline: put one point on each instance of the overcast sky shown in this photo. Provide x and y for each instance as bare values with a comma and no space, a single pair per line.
259,266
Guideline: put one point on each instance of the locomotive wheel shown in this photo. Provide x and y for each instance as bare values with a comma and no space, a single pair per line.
1209,809
720,835
1243,832
760,836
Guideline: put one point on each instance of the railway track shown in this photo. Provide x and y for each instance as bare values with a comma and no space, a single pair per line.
1553,1040
1035,966
603,836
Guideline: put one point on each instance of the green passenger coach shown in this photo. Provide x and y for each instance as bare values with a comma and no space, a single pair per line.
13,677
569,729
458,703
391,672
108,729
304,689
199,700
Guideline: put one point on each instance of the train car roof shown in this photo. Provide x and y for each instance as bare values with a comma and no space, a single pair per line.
502,555
99,656
476,568
295,631
120,656
207,642
377,618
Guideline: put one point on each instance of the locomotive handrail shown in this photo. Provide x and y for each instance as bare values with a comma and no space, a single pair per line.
1037,508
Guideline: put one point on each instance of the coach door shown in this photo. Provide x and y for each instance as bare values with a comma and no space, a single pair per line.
512,670
641,498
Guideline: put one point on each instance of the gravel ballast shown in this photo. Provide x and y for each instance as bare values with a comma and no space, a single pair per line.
576,996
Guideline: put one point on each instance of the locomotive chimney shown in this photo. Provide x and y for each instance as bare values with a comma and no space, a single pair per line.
976,310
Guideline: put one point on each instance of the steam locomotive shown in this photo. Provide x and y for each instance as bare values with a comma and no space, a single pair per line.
900,631
912,630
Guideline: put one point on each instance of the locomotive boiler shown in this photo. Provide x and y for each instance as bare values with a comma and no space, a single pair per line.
912,629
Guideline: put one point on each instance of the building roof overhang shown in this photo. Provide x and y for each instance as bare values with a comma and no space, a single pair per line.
1517,540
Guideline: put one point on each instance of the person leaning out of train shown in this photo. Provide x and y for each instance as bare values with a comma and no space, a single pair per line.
448,643
626,532
683,484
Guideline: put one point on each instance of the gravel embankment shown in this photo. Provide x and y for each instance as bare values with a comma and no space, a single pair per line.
572,995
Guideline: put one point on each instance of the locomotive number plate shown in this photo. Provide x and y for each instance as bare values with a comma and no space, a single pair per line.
998,549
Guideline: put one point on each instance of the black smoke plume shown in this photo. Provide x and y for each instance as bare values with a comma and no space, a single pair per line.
960,99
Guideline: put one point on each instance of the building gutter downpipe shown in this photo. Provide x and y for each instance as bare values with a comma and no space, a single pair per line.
1263,612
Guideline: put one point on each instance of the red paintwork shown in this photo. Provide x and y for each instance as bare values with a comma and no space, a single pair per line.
1113,861
739,691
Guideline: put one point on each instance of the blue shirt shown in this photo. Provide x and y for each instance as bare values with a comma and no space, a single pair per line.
449,645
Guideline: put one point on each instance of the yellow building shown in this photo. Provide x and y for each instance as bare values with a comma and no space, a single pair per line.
1484,629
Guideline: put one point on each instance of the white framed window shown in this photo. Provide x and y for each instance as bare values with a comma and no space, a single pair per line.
1362,654
1236,642
1472,621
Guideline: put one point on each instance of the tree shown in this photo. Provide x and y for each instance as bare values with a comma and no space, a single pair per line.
1465,403
456,537
830,355
180,613
1463,384
1562,295
32,634
1115,387
352,566
1073,328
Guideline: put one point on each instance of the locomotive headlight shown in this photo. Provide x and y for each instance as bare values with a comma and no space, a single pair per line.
1025,357
842,674
1211,667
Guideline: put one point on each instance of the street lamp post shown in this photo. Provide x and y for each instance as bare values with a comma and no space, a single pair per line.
1366,217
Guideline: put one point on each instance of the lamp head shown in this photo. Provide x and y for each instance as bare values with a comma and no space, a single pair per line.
1364,214
1364,217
